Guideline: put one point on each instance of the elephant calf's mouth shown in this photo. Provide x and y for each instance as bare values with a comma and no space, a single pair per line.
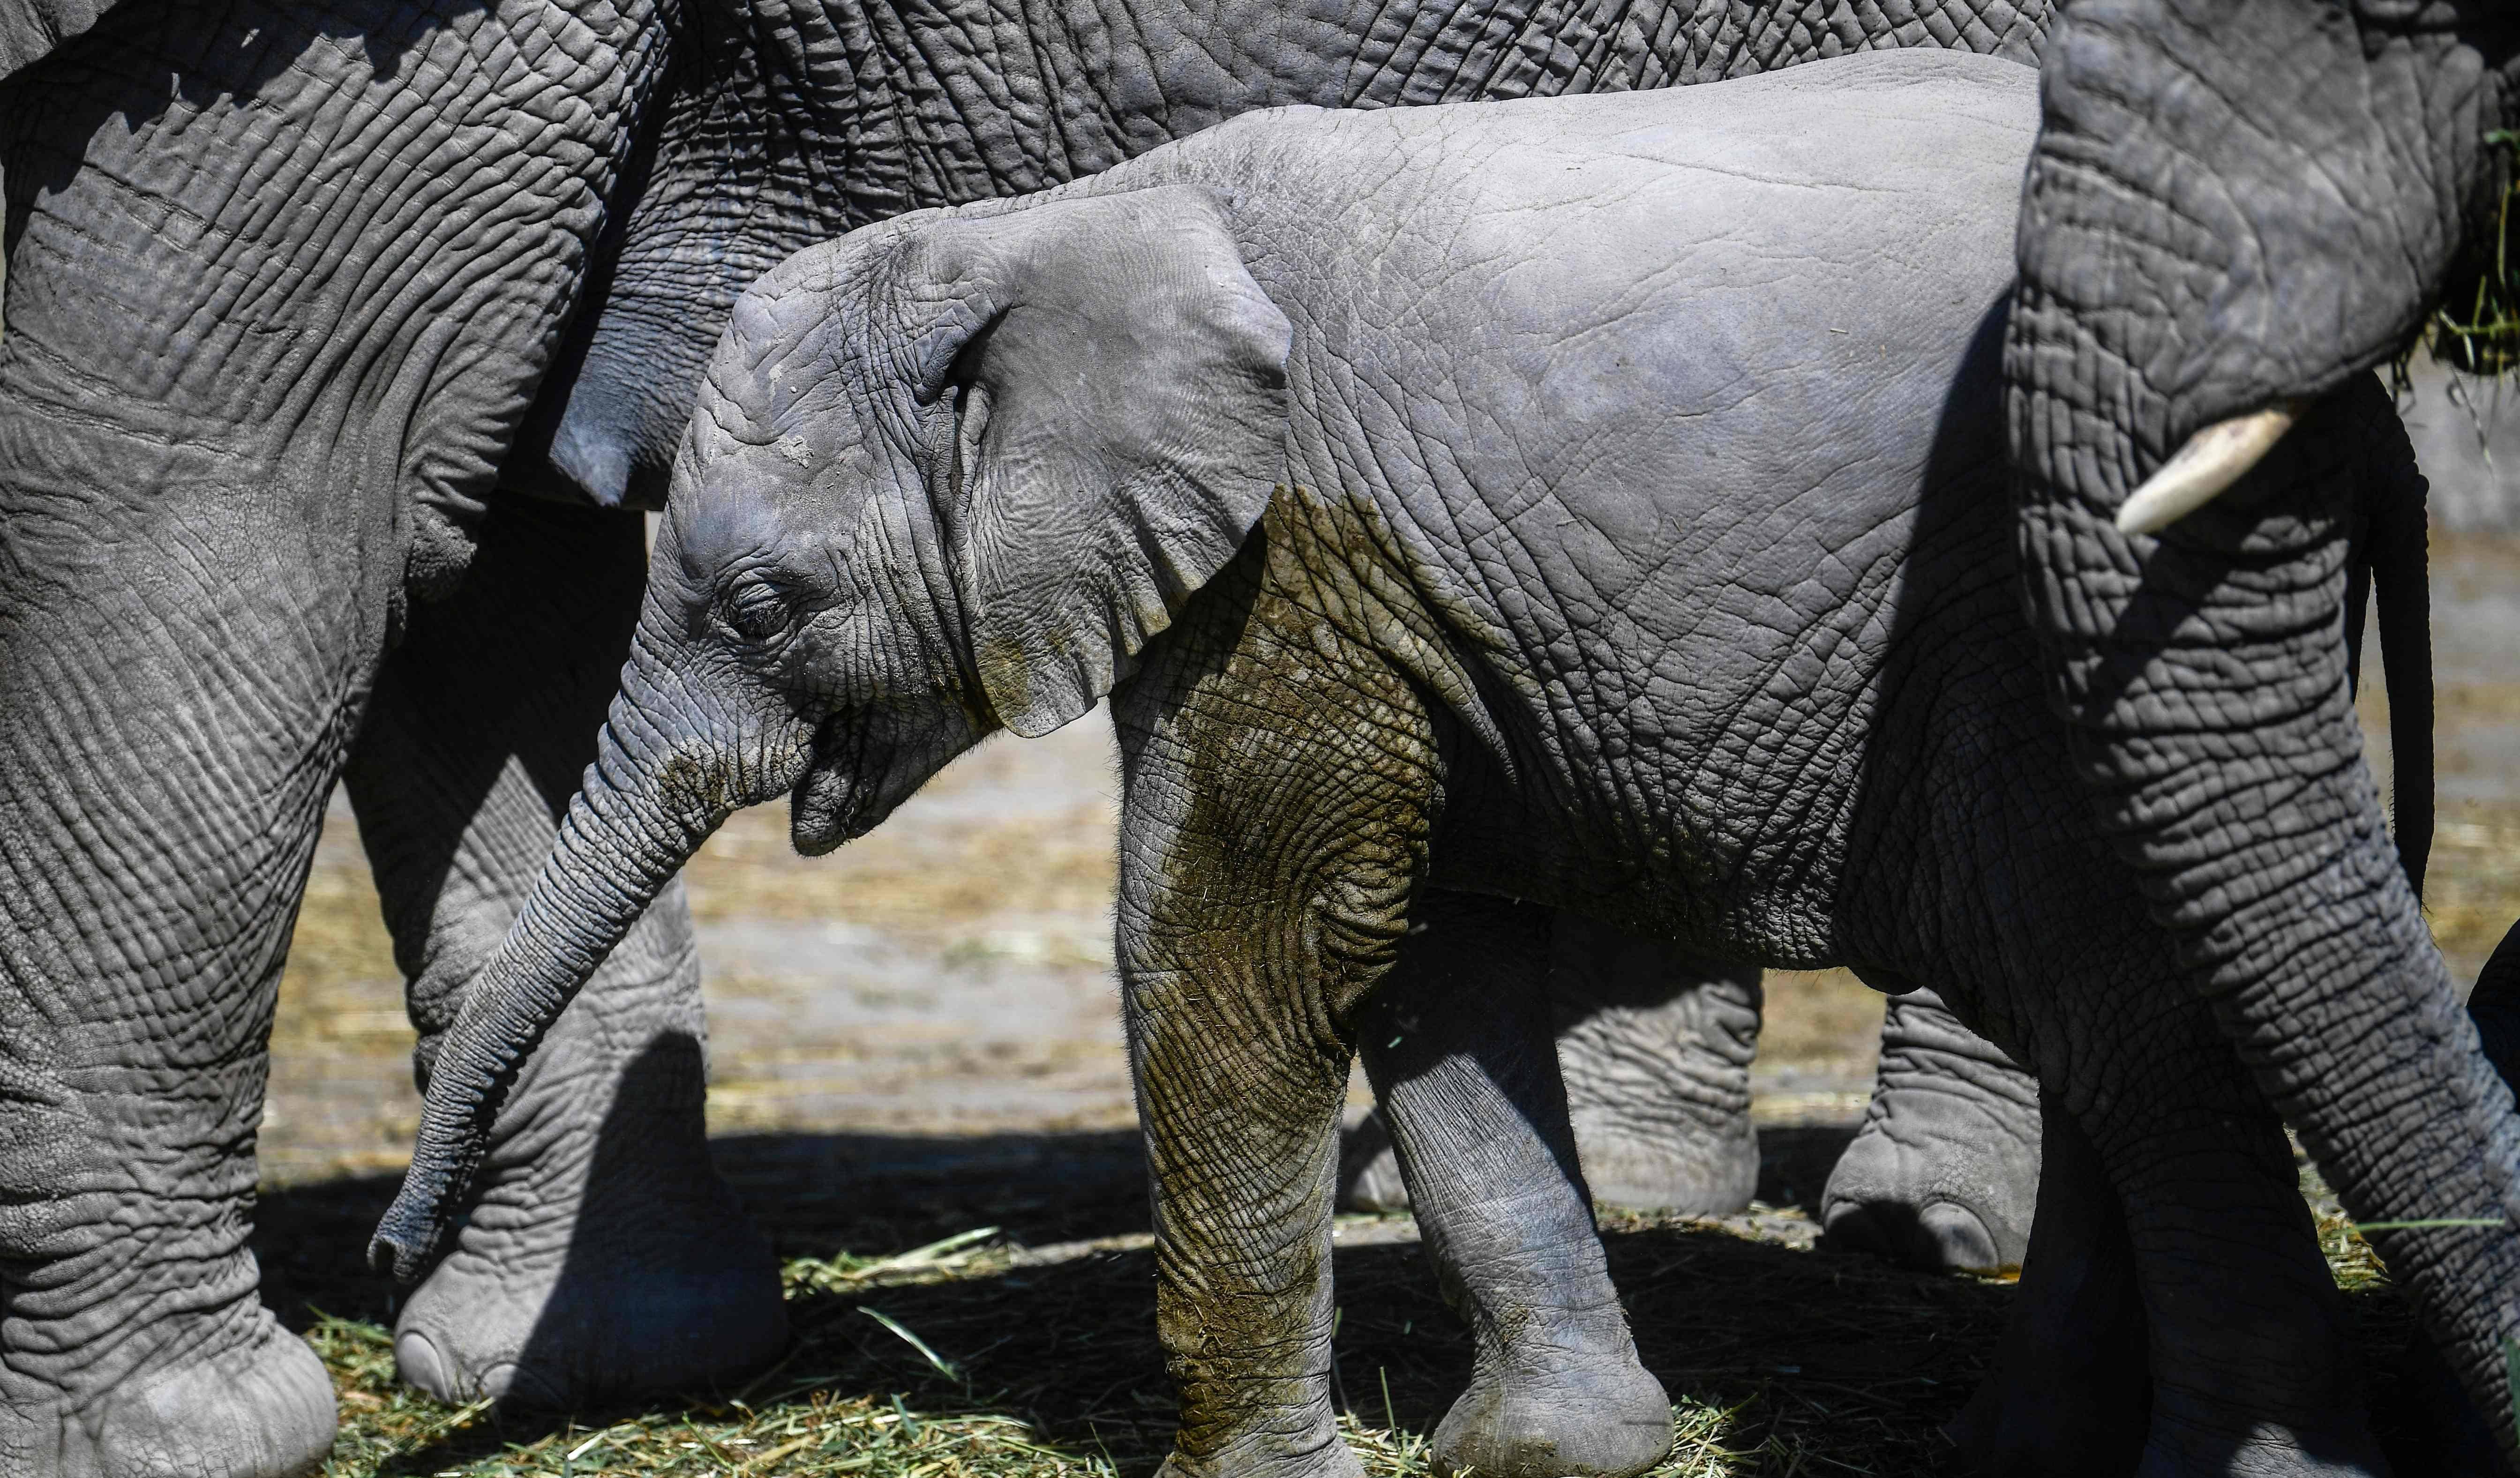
833,802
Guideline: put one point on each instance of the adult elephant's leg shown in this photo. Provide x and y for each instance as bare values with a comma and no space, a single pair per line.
1654,1048
2494,1004
2438,1429
2175,1315
1456,1043
2248,1339
1656,1045
604,1256
1944,1171
178,683
280,287
2069,1390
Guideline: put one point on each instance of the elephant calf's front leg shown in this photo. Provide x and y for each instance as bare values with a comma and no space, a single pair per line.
1263,889
1241,1142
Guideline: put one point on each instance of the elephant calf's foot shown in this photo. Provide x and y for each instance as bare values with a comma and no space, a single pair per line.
259,1407
1593,1420
674,1291
1317,1454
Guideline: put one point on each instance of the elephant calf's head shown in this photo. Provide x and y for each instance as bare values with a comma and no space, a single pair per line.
946,474
955,471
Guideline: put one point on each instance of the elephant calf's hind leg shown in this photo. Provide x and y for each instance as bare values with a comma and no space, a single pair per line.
1456,1043
1654,1048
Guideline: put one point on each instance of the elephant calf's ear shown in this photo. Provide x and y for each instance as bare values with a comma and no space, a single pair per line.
1120,429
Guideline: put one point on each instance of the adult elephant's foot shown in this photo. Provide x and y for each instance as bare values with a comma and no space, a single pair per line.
1368,1173
606,1257
599,1266
119,1388
264,1410
1944,1171
1596,1419
1687,1164
1654,1048
678,1298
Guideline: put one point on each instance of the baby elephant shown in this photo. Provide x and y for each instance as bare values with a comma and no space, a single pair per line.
1597,502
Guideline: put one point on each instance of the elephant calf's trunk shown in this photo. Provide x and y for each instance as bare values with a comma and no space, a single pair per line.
618,847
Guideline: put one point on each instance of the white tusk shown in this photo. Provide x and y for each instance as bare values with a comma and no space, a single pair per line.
2213,460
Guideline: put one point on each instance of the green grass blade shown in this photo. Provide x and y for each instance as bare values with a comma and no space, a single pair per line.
945,1367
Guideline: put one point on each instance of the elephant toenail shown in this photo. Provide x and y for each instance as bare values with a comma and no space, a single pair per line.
418,1362
1958,1237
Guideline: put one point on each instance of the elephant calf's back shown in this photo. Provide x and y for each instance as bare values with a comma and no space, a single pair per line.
1664,315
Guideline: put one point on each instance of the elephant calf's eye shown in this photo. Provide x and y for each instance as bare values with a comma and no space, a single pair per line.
757,611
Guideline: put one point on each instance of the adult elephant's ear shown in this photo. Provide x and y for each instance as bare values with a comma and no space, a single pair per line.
1118,388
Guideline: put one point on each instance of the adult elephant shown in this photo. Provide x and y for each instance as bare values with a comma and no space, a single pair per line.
2235,211
297,301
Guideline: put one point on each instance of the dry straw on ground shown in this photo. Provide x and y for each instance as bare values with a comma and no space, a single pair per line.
973,1357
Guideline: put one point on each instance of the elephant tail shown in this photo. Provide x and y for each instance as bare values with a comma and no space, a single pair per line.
2400,573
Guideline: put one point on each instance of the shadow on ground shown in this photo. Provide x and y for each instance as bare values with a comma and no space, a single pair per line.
1774,1353
1809,1346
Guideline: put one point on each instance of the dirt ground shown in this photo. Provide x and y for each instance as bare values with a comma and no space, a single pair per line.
916,1039
947,976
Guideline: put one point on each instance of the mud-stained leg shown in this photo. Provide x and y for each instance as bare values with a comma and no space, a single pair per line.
605,1258
1280,795
1458,1047
1944,1171
1654,1048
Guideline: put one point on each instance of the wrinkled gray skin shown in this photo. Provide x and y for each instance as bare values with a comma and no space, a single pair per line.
2235,206
1655,1048
1637,542
293,294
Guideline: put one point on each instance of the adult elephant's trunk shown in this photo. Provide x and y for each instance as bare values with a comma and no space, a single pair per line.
2235,208
2203,677
646,804
2204,683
